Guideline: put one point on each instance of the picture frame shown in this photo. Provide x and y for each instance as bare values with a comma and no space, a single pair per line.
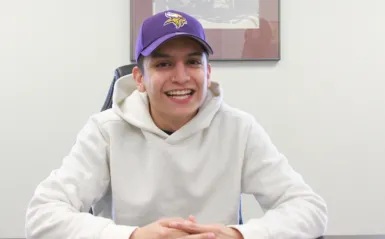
236,32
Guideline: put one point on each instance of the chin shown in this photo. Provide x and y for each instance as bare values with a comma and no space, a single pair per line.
185,112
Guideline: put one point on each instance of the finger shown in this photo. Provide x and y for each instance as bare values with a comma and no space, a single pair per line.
191,227
166,221
208,235
192,218
173,233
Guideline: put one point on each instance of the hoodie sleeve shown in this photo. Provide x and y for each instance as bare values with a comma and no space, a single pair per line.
60,204
292,209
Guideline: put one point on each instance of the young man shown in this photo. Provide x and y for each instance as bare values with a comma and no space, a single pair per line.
171,159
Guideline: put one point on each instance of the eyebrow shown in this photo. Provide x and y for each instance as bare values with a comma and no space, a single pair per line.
163,55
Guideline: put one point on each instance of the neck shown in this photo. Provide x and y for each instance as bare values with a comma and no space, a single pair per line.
170,123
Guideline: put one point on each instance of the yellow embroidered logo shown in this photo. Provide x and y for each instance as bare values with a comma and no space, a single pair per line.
176,19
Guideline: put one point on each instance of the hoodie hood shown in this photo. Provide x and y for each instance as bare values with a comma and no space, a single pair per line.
133,107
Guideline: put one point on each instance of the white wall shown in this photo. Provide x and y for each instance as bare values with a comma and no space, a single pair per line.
322,103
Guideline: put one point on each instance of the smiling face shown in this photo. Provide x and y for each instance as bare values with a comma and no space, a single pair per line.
176,77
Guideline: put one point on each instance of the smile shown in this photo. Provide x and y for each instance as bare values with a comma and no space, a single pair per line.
180,96
180,93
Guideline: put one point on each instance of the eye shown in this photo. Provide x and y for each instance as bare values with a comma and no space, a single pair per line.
162,64
194,62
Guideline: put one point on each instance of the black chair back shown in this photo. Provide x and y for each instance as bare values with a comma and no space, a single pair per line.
119,72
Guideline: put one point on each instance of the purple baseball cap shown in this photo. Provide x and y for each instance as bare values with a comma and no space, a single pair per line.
166,25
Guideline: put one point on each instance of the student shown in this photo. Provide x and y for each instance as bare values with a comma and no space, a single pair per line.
171,158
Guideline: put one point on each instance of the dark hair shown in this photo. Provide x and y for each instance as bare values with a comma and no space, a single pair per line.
141,64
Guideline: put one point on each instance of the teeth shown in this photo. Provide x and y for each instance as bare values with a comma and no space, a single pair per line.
179,92
180,97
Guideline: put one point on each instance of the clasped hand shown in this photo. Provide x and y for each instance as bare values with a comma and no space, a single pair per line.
185,229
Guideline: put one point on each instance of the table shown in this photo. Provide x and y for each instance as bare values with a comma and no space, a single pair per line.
354,237
330,237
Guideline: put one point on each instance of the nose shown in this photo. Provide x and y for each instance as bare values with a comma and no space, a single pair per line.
180,73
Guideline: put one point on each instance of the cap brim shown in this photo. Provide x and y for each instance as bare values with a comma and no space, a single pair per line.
148,50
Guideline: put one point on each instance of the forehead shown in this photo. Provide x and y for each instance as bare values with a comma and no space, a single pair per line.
179,46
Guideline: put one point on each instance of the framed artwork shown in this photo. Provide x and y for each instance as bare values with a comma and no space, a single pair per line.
237,30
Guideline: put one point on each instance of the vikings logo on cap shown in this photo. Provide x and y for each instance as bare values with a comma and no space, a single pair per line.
176,19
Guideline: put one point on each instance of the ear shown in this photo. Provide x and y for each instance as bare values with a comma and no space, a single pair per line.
139,78
208,74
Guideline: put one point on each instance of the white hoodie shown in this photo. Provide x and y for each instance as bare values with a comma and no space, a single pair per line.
133,174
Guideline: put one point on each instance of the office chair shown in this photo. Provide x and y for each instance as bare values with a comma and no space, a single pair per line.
120,72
